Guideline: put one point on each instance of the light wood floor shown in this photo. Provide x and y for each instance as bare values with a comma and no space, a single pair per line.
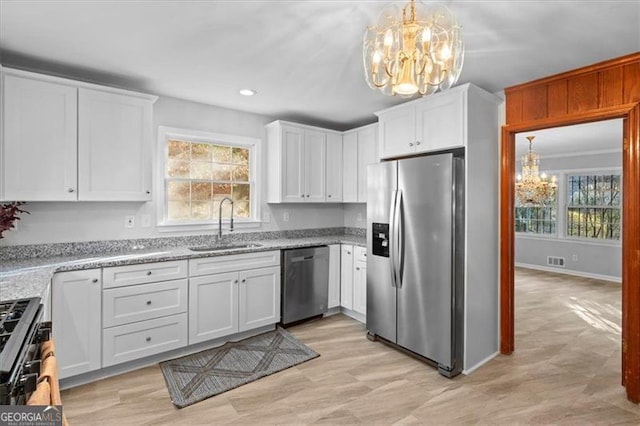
566,370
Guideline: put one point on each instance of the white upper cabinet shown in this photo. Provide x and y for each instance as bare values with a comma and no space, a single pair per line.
350,167
297,158
436,122
39,140
360,149
334,168
64,140
114,156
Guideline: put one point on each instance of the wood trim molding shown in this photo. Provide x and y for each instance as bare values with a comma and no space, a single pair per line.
602,91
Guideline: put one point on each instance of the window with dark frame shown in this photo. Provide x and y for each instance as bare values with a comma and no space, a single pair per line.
593,206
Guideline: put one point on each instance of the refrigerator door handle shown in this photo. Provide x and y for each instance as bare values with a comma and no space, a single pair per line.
399,228
392,238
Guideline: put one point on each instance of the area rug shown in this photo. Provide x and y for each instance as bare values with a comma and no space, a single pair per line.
193,378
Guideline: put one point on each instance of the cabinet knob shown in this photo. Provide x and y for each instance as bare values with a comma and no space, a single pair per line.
329,195
417,142
148,302
348,252
148,339
410,143
148,192
95,280
244,280
357,269
148,272
365,254
70,190
302,196
307,195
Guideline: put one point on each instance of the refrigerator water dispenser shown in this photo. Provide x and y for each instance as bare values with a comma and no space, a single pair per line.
380,232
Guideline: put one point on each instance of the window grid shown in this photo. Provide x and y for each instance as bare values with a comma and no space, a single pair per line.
198,175
536,219
593,208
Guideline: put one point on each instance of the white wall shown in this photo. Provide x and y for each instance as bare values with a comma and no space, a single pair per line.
355,215
592,258
84,221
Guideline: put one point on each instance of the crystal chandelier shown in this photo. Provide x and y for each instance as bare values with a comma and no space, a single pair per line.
533,188
416,49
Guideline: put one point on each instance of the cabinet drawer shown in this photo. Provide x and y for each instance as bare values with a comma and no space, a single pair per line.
141,339
360,253
234,262
120,276
124,305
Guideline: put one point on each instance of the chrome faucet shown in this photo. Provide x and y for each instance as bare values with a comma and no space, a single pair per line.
220,216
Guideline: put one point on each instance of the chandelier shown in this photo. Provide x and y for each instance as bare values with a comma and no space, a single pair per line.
533,188
416,49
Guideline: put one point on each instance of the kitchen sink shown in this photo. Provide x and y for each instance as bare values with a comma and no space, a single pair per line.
225,247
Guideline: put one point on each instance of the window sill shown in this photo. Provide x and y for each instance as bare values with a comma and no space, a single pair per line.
194,227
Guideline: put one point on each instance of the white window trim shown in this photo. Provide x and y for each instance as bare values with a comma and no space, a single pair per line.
164,134
561,209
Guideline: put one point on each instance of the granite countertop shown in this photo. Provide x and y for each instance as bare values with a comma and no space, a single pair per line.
30,277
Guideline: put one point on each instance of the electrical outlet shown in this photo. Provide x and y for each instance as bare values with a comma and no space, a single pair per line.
146,221
129,221
359,217
266,217
285,216
574,257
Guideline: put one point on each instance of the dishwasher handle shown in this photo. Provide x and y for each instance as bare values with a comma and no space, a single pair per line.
305,258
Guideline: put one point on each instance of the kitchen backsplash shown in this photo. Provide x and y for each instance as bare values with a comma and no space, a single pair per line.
109,246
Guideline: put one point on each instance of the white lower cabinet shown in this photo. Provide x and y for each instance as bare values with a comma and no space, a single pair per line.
346,276
334,276
360,280
77,329
213,306
144,310
230,302
353,278
140,339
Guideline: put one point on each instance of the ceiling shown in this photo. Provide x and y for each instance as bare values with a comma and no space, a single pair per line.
303,57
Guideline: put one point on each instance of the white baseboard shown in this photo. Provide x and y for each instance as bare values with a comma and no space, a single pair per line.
353,314
569,272
468,371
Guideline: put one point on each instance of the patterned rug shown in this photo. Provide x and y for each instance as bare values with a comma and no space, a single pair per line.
192,378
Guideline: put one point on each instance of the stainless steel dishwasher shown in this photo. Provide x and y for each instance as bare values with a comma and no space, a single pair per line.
305,283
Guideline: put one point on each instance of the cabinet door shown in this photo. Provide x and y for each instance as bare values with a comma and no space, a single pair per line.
397,132
259,298
334,168
315,152
39,151
334,276
367,154
441,122
350,167
77,329
213,302
292,164
360,287
346,277
114,152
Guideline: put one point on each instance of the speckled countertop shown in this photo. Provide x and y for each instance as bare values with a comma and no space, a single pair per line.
30,277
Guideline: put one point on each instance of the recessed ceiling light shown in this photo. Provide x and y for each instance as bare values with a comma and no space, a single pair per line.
247,92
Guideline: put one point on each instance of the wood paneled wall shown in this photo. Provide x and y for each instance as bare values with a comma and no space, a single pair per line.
585,90
602,91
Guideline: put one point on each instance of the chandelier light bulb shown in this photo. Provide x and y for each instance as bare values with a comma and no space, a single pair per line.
413,49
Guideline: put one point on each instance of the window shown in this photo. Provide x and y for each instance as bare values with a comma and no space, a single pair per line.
593,206
200,170
536,219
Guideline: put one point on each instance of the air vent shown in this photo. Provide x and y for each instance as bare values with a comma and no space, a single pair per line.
555,261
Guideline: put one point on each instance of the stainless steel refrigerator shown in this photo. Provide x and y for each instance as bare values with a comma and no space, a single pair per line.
415,257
